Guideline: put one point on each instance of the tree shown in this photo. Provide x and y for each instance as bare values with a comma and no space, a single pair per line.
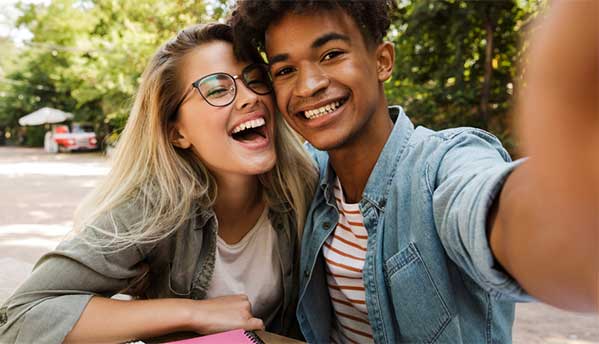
457,61
86,56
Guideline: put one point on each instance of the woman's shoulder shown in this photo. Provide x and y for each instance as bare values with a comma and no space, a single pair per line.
125,215
123,223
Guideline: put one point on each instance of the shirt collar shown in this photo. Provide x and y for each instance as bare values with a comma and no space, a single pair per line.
275,214
384,170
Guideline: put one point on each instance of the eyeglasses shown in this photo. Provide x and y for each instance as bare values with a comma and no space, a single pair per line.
220,89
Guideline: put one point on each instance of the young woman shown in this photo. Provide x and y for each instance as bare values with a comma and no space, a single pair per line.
200,215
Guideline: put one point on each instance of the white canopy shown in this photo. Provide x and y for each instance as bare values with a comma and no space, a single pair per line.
44,116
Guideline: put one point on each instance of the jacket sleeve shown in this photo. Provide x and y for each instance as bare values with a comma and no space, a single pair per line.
468,180
47,305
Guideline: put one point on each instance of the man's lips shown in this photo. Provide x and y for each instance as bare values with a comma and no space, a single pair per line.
321,108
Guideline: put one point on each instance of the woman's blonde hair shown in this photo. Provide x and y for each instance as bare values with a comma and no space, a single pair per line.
165,182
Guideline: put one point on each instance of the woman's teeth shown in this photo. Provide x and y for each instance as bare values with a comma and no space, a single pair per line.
321,111
255,123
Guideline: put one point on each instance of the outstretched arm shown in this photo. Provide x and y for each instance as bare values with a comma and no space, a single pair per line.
545,225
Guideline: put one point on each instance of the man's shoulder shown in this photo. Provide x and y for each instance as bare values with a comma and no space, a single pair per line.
452,136
437,143
423,137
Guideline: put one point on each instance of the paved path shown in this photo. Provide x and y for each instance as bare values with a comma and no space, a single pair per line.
39,193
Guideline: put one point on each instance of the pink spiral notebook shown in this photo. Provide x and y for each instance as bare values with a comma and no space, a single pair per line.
229,337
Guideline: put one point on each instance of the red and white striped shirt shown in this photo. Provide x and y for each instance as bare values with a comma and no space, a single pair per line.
344,252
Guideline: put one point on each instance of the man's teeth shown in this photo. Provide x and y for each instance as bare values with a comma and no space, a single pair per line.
321,111
255,123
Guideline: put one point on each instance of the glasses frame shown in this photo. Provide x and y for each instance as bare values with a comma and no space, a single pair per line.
196,84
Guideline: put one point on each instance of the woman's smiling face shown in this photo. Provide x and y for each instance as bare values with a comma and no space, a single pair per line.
234,139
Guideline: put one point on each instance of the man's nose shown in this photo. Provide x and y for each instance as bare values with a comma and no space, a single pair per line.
310,81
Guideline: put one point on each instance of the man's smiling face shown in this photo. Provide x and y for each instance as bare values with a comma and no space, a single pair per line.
326,79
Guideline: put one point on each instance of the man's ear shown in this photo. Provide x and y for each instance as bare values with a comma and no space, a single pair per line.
385,58
177,138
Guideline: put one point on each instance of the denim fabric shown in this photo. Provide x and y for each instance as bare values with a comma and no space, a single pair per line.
429,273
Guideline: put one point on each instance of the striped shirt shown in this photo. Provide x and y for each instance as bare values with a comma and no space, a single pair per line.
344,253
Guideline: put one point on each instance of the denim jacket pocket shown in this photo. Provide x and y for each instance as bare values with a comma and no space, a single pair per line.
421,312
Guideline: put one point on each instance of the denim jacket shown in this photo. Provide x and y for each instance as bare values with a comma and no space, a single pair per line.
429,274
47,305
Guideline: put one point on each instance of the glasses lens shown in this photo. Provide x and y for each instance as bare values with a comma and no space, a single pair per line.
217,89
257,78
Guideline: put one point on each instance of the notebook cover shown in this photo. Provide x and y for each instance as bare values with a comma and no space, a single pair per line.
230,337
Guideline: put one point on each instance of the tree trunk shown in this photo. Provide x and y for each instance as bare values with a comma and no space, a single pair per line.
486,89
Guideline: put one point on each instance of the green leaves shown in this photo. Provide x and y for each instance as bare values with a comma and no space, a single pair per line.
86,56
457,61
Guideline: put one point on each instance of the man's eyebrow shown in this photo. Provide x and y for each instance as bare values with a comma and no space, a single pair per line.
278,58
327,37
319,42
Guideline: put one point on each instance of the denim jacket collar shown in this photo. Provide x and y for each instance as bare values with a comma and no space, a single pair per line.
380,178
203,216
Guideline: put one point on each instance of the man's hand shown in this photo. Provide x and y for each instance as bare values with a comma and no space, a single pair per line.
559,107
547,233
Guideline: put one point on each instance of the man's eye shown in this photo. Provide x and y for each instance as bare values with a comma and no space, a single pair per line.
331,55
283,71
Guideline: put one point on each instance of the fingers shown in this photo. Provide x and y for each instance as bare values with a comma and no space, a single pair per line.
245,307
226,313
254,324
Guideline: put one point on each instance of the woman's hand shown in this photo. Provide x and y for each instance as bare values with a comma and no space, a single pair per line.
222,314
123,321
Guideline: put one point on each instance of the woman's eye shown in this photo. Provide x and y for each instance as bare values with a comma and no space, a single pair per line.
331,55
217,92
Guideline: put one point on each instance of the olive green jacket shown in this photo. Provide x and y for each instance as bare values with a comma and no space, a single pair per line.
47,305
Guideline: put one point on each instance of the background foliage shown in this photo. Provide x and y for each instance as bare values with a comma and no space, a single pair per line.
456,60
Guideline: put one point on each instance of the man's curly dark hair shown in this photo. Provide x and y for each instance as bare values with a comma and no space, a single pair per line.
251,18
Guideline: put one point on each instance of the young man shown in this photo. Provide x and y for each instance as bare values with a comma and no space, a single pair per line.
413,235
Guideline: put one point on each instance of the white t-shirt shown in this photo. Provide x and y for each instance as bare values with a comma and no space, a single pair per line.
250,267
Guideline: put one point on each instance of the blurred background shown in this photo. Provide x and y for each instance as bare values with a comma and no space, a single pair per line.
459,63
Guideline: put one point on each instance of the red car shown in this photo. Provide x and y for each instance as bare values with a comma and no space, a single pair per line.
80,137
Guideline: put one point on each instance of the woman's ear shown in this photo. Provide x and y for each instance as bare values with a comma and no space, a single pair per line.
177,138
385,58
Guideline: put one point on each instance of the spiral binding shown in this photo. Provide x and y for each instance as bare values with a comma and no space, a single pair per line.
254,337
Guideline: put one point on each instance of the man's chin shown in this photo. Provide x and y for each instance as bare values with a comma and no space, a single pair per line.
326,143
